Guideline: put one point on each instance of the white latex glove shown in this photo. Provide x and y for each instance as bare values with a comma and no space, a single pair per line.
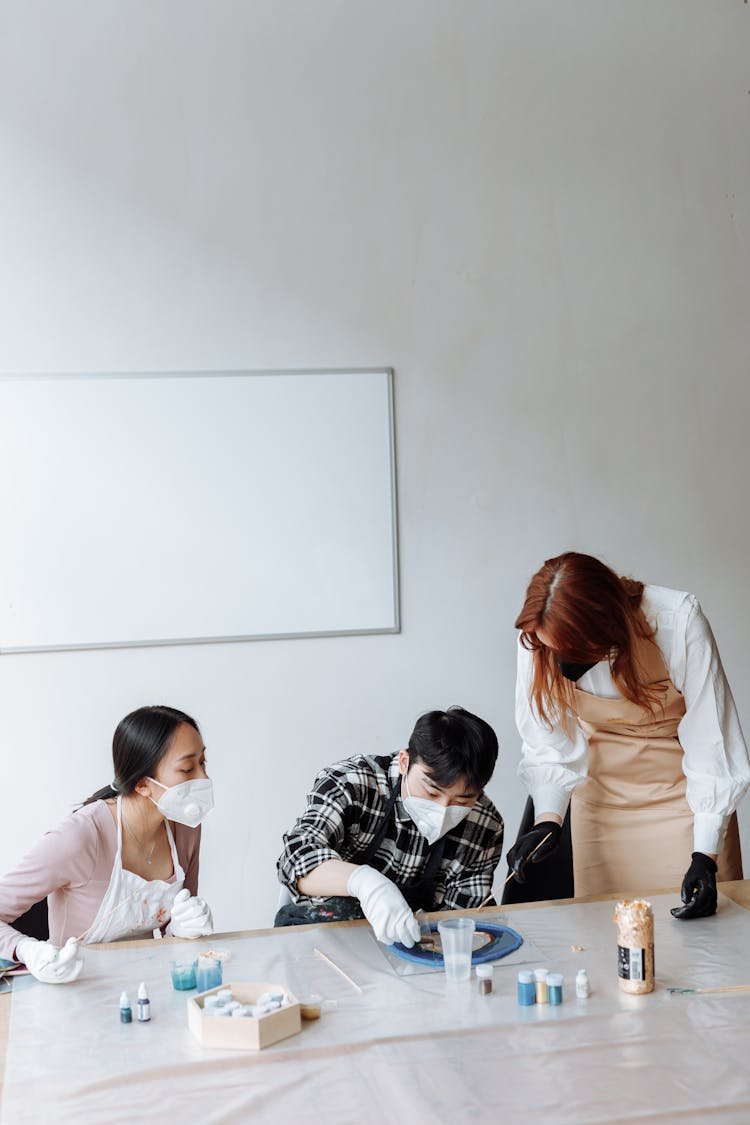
191,917
48,963
384,907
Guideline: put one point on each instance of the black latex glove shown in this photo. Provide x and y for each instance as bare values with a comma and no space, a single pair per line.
698,889
520,854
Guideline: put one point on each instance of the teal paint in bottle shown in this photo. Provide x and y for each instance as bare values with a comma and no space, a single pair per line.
126,1012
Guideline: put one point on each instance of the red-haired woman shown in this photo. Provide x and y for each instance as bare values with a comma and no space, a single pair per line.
625,711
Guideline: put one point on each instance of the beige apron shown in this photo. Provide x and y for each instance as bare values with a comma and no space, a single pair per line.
632,828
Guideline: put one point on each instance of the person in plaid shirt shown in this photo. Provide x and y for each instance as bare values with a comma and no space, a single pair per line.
382,837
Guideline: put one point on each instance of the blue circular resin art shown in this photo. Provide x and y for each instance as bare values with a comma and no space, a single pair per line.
503,941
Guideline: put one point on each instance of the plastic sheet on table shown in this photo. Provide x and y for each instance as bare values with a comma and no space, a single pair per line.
421,1048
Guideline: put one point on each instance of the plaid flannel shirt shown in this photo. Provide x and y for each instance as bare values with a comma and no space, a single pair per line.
344,812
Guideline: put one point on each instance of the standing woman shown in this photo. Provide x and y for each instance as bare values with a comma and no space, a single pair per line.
126,862
625,711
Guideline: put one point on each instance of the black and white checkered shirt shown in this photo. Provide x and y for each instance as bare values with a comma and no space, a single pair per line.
344,812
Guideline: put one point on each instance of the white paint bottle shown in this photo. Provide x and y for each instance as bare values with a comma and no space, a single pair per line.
583,990
144,1004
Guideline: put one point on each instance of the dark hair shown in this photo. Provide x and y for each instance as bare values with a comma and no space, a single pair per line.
590,614
454,744
140,742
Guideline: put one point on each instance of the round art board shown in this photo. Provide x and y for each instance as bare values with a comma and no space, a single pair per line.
491,942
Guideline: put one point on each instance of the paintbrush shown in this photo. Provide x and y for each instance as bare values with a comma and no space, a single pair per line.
512,873
725,988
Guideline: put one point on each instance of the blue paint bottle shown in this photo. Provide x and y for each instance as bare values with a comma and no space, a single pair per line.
126,1012
526,991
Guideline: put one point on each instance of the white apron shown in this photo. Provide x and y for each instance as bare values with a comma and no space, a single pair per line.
133,907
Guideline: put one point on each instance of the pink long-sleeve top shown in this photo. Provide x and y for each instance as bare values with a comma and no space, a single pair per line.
71,865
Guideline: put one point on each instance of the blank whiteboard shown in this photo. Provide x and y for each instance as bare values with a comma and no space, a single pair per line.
184,508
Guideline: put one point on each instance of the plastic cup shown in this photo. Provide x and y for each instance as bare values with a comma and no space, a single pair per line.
456,935
311,1005
183,974
209,973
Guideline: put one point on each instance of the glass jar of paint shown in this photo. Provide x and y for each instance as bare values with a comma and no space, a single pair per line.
526,991
209,973
555,988
635,945
183,974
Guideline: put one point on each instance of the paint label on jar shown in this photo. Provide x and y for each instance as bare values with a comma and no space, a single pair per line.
631,963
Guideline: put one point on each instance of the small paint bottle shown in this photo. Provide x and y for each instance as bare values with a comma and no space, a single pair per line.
144,1004
540,986
484,979
555,987
583,989
526,991
126,1012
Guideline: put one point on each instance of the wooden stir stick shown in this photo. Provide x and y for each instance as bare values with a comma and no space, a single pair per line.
338,969
724,988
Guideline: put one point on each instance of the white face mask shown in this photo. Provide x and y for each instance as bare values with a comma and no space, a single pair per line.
188,803
433,820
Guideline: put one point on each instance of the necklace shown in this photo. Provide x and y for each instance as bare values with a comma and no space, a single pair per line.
137,839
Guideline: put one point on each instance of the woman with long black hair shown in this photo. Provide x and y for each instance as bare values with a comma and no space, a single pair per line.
625,712
126,862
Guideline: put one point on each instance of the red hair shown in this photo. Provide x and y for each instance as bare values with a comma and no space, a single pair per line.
588,614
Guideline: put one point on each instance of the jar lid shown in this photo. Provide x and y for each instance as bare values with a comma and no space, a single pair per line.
525,976
555,979
484,970
540,974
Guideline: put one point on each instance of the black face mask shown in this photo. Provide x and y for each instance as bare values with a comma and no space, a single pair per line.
573,671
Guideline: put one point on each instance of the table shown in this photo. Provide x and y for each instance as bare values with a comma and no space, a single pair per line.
410,1047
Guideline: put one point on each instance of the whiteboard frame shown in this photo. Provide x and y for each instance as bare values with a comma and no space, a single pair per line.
163,642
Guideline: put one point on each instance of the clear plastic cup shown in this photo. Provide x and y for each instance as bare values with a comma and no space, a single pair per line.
310,1005
209,973
457,937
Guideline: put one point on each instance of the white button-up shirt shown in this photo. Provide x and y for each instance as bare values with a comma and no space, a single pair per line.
715,757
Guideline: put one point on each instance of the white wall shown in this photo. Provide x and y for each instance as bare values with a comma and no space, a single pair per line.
536,213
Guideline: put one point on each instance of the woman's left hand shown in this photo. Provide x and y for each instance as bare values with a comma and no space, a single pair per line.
698,889
191,917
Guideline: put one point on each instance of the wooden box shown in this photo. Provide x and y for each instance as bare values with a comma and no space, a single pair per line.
245,1033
